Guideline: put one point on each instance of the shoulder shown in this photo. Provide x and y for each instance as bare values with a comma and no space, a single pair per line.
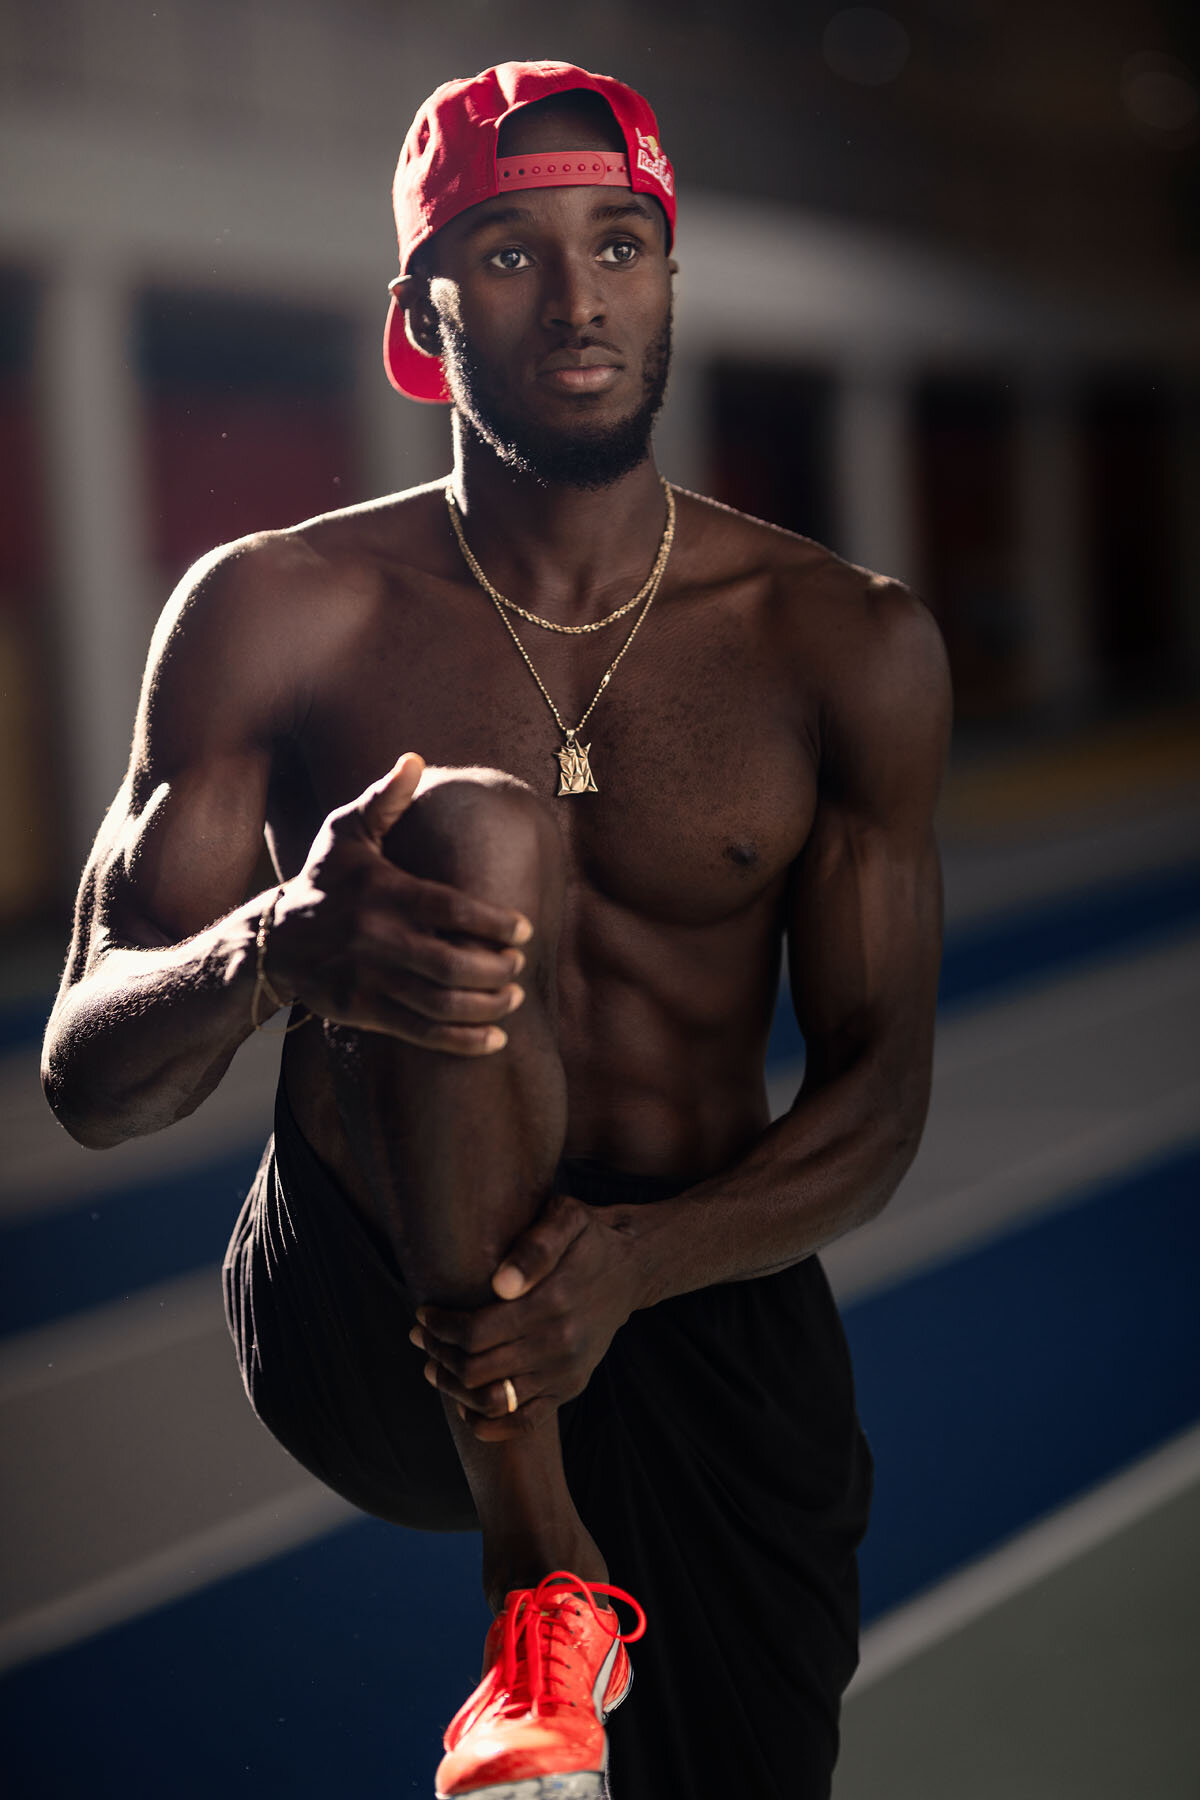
863,650
729,549
285,599
240,581
222,631
854,621
886,705
885,648
374,538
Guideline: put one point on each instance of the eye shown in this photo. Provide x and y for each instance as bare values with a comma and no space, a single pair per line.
509,259
620,252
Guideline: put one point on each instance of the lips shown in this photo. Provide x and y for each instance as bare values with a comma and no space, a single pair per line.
592,379
589,356
588,371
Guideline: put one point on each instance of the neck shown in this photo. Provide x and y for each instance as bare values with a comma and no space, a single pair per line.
569,553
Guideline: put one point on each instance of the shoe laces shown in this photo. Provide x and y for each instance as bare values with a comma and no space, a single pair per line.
538,1636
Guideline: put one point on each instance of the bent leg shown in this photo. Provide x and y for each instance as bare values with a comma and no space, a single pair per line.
460,1152
319,1314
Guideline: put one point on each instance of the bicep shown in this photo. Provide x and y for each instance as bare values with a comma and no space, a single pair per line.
183,846
180,843
865,912
864,940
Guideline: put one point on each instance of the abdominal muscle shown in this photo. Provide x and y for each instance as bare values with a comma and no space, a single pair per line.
664,1066
663,1030
656,1091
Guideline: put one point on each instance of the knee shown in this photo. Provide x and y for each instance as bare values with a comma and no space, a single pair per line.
486,832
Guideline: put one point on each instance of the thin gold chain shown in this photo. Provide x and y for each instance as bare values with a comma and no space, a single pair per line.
660,564
651,580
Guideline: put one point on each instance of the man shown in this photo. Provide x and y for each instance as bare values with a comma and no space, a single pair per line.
522,1115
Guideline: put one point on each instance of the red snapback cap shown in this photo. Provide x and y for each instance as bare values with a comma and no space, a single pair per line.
449,162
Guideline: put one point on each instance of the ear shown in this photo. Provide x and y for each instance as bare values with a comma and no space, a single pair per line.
420,320
672,266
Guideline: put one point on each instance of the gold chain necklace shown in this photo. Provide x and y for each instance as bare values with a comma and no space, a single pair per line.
574,770
651,580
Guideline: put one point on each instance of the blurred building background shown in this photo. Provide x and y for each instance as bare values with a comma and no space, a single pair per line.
940,308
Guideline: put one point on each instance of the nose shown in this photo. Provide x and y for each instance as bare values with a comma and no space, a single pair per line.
573,300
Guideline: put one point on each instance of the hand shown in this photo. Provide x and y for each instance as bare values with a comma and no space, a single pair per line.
566,1287
361,942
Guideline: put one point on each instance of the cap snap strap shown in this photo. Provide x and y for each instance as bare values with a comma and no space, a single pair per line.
563,168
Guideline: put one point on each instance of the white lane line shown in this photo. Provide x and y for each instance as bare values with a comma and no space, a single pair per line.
986,880
193,1563
45,1171
1093,1012
1110,992
1107,996
896,1247
1025,1560
142,1324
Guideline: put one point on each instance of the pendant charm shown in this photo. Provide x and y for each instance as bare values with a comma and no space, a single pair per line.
574,771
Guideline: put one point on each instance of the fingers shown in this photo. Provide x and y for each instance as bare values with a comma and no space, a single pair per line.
387,1016
450,965
460,1022
462,1339
481,1377
492,1401
539,1250
385,975
433,904
488,1415
457,1005
439,907
479,1350
425,991
395,903
390,798
366,944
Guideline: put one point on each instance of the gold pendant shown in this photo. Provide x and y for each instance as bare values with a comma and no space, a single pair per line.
574,771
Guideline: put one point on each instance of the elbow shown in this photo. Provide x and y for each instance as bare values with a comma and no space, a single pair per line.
95,1126
87,1127
91,1133
99,1117
908,1089
899,1123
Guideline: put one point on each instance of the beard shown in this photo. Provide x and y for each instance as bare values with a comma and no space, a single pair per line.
582,457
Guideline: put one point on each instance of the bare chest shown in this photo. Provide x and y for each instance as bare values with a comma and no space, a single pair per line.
698,742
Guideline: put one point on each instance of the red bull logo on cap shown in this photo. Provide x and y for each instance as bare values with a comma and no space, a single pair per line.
652,162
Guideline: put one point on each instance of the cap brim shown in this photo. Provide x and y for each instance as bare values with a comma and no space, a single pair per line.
409,370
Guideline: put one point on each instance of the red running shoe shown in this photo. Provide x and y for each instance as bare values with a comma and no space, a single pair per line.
554,1668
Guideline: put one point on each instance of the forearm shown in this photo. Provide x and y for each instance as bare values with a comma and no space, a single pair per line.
145,1035
829,1164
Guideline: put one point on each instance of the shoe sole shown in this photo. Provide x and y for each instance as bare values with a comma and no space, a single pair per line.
585,1784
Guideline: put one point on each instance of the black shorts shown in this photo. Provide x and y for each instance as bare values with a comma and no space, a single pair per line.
715,1456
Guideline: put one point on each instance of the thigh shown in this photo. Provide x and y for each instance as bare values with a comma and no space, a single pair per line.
320,1319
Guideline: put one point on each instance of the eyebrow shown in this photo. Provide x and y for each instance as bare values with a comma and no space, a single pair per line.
517,215
622,209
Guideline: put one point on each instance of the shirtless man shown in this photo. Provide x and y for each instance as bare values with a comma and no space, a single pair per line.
532,976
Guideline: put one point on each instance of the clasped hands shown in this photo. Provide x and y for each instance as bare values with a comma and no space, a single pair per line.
564,1289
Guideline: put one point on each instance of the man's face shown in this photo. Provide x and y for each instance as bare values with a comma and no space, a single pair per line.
553,308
